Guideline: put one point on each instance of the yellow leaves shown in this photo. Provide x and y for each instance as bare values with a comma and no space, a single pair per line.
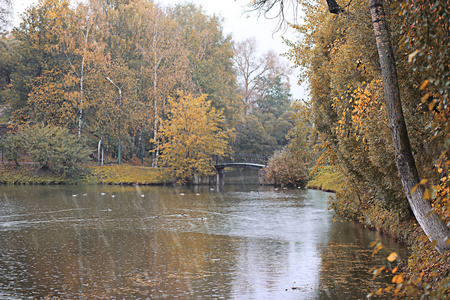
191,135
398,279
392,257
425,98
424,84
377,247
412,55
422,182
432,104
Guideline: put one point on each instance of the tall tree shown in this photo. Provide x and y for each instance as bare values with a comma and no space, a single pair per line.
192,135
432,225
256,74
39,54
275,96
166,60
83,50
414,192
210,55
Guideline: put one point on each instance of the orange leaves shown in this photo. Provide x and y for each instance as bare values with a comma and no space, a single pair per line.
377,246
393,256
398,279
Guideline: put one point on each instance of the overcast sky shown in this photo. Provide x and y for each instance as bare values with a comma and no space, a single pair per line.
238,22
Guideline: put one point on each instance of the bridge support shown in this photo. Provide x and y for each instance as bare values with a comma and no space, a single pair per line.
220,176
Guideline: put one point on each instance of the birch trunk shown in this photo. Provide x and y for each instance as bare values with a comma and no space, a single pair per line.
432,225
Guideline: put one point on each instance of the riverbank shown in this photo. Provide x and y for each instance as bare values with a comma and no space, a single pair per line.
127,174
424,273
325,180
114,174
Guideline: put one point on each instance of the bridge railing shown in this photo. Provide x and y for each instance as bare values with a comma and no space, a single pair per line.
243,157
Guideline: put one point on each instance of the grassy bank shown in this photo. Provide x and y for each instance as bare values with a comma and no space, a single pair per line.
115,174
127,174
30,174
326,179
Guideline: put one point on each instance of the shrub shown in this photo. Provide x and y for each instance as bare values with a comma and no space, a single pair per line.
11,145
54,148
286,169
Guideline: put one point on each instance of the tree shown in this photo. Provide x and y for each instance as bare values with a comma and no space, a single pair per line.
286,169
275,97
264,87
152,43
414,192
256,75
252,136
39,55
191,136
83,51
432,225
210,55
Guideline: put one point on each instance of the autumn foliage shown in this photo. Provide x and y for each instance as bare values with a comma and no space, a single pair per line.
286,169
338,57
192,134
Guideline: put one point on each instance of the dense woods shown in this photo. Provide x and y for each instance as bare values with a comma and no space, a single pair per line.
116,70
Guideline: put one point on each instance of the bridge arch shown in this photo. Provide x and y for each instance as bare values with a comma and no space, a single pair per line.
220,168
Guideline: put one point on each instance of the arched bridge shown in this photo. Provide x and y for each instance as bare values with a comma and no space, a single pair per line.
220,168
224,165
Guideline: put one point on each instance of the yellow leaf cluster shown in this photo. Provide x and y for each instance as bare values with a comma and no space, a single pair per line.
192,134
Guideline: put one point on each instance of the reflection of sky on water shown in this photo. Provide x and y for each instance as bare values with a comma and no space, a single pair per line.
236,242
279,258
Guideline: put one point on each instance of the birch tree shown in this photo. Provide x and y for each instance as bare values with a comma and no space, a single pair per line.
164,65
83,51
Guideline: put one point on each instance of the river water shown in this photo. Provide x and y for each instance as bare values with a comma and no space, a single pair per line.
237,241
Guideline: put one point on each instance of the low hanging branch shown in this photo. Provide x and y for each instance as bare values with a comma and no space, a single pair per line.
334,8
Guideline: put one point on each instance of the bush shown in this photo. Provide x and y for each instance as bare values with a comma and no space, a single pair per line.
11,146
54,148
286,169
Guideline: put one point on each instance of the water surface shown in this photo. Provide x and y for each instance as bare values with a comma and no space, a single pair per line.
231,242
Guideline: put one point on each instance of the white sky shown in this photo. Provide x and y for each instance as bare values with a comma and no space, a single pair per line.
237,22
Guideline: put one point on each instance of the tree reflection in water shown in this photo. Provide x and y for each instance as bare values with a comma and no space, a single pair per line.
238,241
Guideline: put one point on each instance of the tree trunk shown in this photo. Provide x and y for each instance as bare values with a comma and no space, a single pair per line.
432,225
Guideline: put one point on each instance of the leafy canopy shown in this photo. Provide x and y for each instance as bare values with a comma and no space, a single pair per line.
191,135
